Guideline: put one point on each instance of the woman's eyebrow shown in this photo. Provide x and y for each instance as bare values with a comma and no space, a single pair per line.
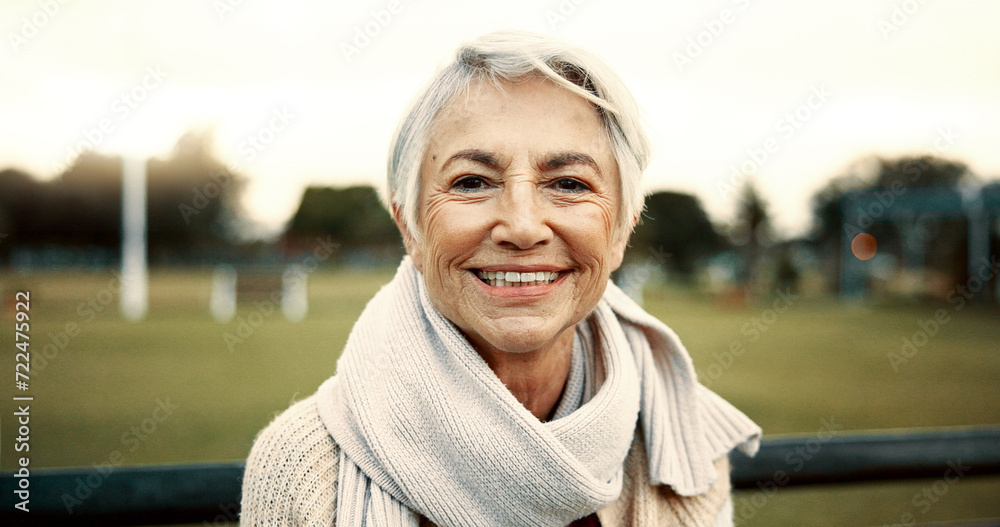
561,159
476,156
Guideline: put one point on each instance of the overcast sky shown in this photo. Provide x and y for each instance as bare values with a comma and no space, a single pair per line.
791,91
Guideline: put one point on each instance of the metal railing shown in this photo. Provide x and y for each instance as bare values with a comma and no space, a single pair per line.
163,494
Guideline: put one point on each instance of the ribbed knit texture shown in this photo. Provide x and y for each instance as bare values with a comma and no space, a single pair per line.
291,472
291,480
429,428
426,429
658,505
687,425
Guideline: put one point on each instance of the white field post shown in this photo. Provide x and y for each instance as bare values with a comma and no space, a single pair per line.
294,294
135,276
979,231
223,300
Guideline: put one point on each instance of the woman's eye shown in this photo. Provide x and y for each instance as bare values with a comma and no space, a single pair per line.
470,183
571,185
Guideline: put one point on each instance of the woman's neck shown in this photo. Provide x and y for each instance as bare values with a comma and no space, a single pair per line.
537,378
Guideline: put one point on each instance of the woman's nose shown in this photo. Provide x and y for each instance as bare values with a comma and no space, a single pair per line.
522,220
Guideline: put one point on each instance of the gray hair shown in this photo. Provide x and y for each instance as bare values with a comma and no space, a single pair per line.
509,56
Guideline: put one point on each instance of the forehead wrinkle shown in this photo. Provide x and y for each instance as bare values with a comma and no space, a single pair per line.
562,159
475,155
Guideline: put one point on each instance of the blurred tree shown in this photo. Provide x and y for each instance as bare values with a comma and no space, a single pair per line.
86,203
353,216
944,237
192,201
80,208
20,194
676,232
786,274
752,230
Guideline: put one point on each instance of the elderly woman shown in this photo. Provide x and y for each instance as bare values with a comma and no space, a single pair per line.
500,379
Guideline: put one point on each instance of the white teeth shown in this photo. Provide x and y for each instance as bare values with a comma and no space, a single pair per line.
516,279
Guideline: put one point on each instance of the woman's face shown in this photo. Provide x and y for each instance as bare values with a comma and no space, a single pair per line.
518,207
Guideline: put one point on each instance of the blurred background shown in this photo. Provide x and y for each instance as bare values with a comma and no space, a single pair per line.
822,227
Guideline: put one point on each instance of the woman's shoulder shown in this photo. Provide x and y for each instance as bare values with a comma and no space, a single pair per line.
291,472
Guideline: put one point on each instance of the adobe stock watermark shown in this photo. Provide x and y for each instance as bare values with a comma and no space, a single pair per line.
746,508
898,17
562,12
876,210
121,108
250,147
713,29
785,128
369,30
245,327
752,331
224,7
958,297
86,311
230,513
925,499
633,277
131,440
32,25
258,141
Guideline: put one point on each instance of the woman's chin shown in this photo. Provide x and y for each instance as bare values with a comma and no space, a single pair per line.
521,339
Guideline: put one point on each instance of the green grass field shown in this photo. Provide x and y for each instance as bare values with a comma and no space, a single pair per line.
170,389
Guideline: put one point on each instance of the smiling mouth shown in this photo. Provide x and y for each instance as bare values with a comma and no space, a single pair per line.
516,279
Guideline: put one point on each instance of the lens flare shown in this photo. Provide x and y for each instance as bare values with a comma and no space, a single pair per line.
864,246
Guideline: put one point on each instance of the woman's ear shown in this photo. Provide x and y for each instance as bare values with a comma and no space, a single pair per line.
412,247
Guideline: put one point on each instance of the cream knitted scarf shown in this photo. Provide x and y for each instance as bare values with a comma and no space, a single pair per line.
425,427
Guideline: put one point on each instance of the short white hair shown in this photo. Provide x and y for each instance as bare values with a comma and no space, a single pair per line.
510,56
